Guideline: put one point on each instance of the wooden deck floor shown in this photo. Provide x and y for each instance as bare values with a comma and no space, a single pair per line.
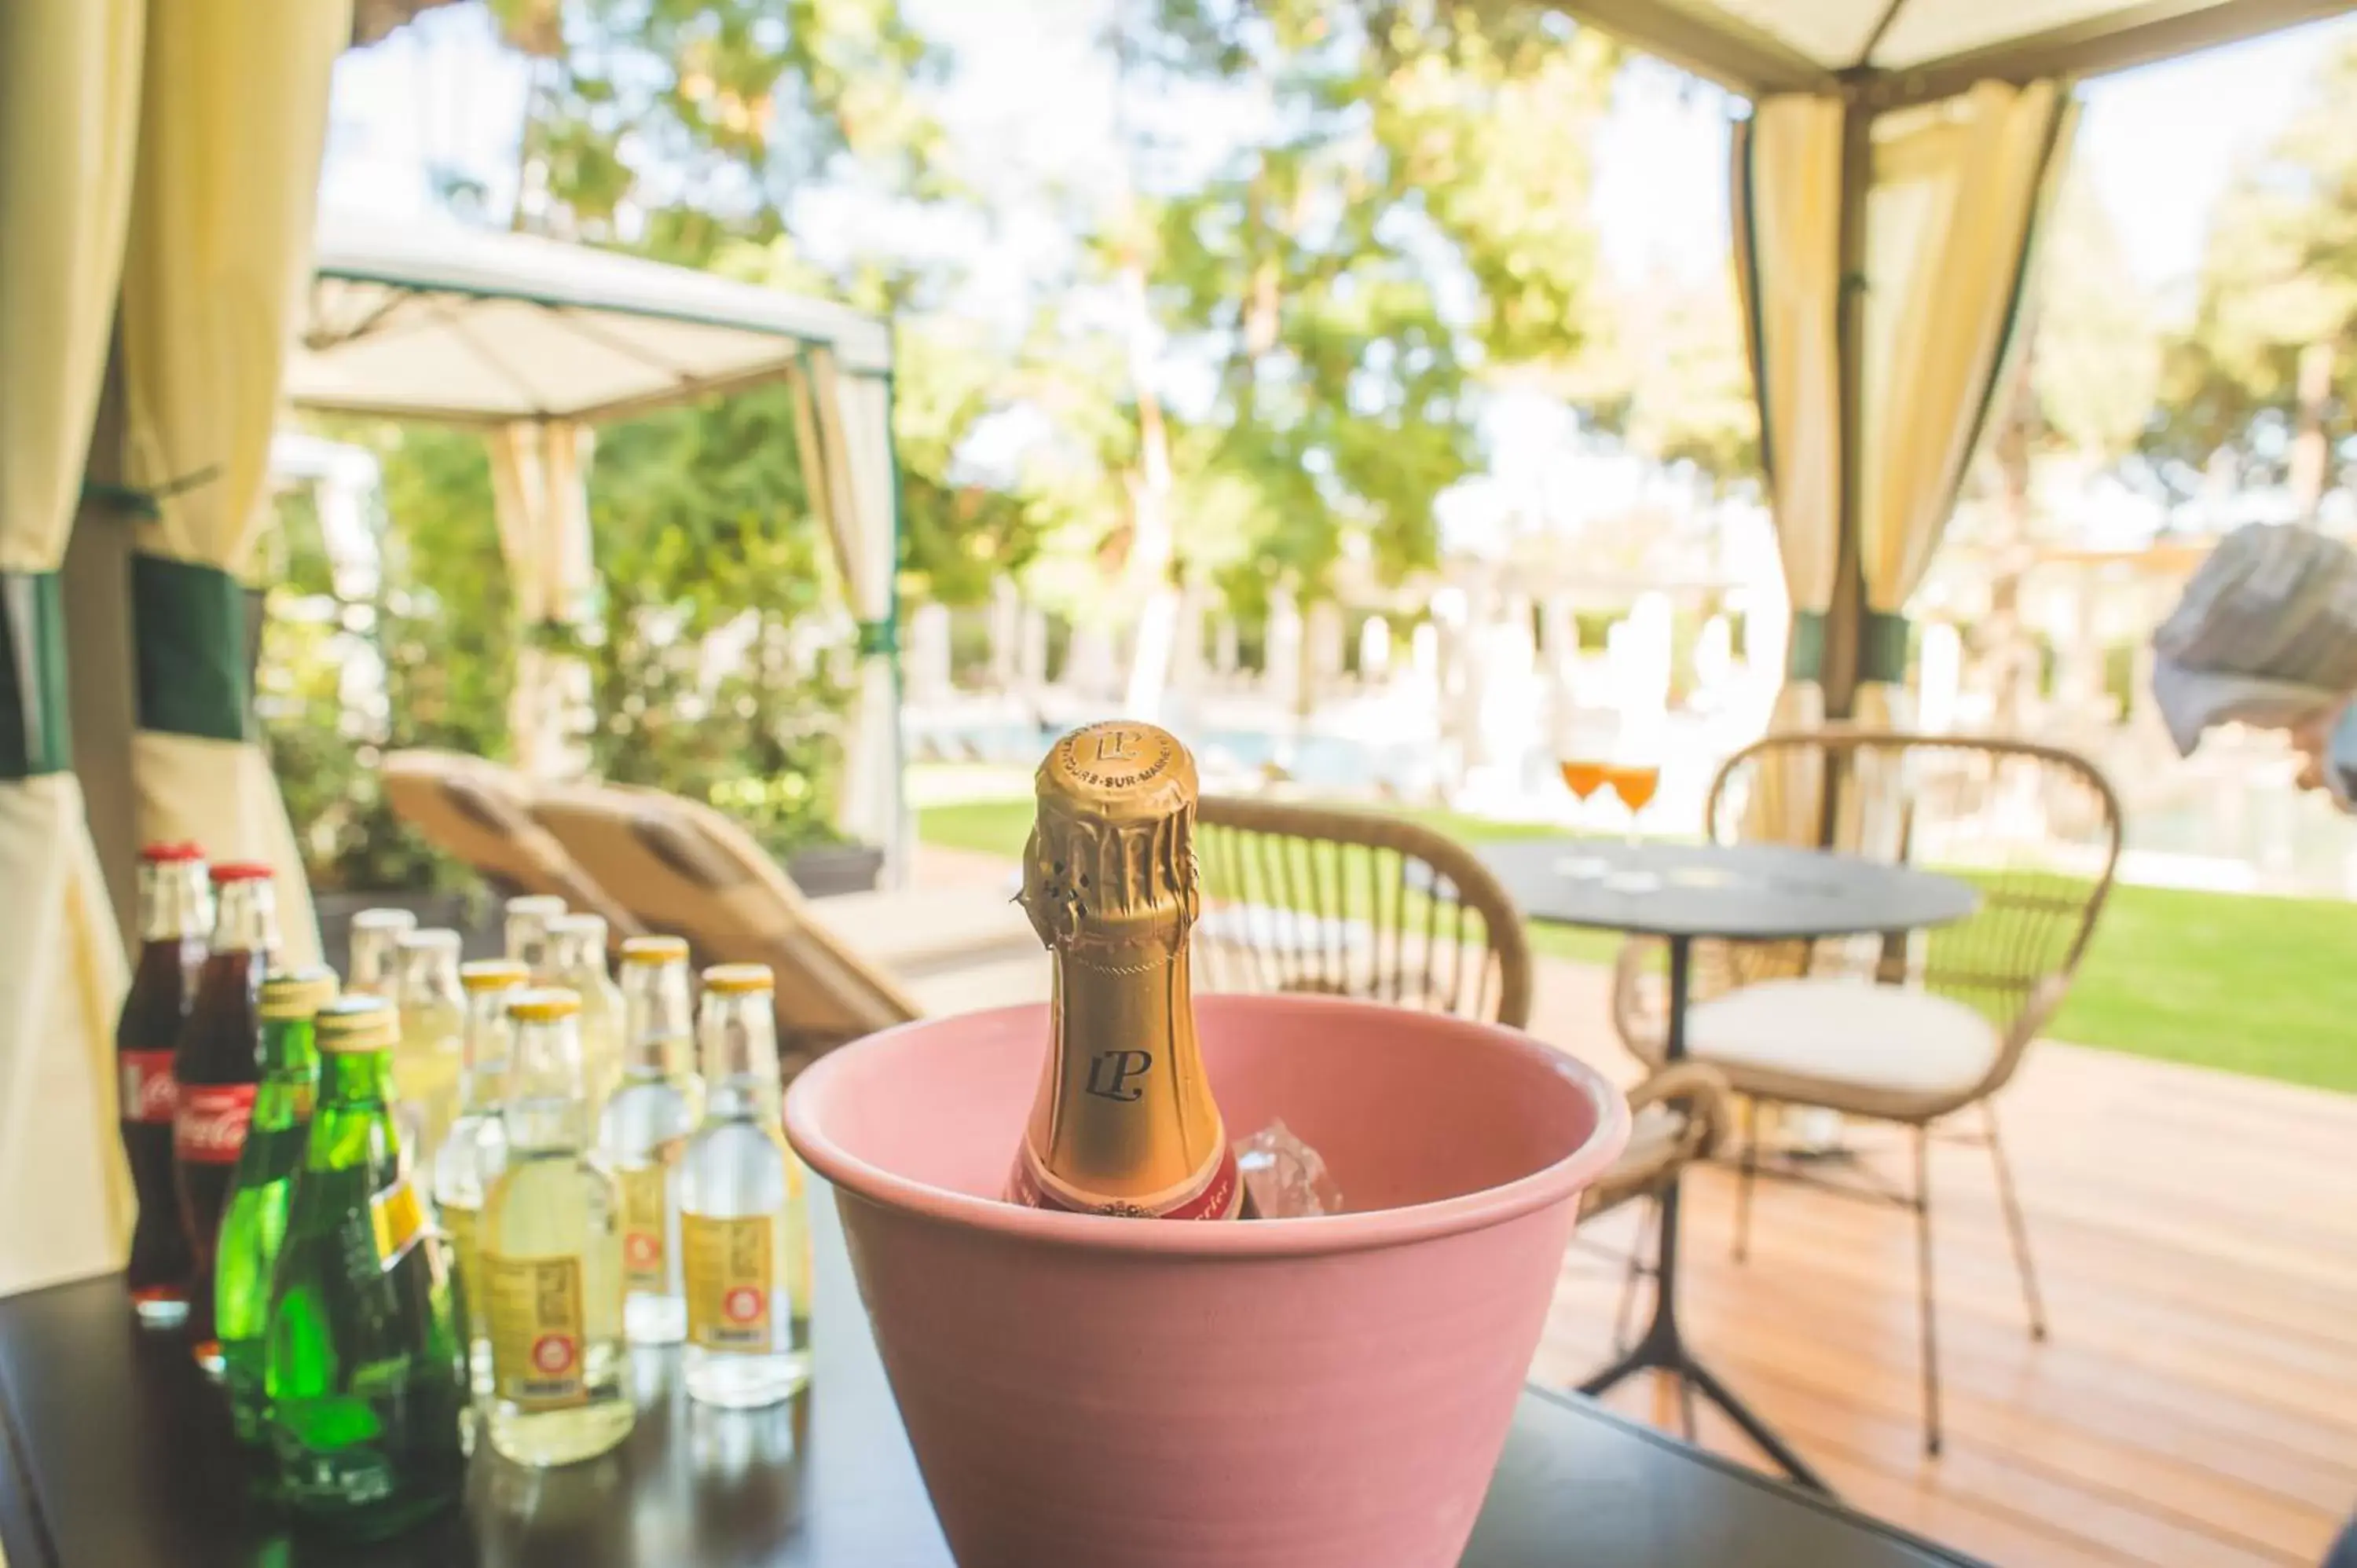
2197,1237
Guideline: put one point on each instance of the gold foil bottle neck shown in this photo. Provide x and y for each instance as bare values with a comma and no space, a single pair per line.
1110,861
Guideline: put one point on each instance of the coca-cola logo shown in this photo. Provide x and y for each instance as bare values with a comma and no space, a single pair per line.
149,1093
210,1128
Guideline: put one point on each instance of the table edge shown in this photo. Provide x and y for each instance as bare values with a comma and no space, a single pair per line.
1483,852
1832,1507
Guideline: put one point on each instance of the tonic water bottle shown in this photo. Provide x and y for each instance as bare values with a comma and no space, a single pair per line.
432,1016
577,952
370,966
550,1256
744,1238
527,916
475,1150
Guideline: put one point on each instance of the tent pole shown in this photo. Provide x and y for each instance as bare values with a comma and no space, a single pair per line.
1846,612
102,680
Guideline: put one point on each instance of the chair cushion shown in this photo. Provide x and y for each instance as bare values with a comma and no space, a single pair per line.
1876,1049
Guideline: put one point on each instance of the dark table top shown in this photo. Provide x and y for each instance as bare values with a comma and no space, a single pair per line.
1760,892
114,1454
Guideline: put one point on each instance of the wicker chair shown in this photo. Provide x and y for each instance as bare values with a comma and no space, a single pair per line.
1911,1030
1309,898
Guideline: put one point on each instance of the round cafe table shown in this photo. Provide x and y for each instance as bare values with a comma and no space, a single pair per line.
1680,892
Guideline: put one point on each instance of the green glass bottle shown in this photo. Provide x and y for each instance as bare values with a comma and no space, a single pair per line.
364,1372
262,1187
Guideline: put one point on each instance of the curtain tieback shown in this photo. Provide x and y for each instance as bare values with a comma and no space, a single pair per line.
35,734
145,504
190,624
879,638
1882,647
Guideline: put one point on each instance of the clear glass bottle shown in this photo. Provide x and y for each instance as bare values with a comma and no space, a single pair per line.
550,1256
744,1234
369,957
576,956
527,918
644,1130
432,1019
475,1150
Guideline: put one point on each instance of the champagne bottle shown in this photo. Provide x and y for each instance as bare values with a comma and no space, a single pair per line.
1124,1123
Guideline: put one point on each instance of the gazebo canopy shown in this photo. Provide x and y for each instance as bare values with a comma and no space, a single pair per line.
533,340
438,322
1915,51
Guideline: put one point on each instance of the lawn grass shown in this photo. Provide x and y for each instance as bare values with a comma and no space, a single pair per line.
2257,985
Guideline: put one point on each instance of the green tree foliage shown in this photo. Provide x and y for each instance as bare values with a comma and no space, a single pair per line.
439,623
710,675
2278,284
1307,321
1667,372
2082,390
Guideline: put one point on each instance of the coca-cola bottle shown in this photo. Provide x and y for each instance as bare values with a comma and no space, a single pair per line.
217,1067
174,914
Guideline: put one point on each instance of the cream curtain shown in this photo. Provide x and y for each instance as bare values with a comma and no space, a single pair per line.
541,497
1787,213
1959,189
234,116
847,421
69,112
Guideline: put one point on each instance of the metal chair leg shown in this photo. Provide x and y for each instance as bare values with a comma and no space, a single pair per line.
1746,1174
1652,1227
2014,1227
1923,1291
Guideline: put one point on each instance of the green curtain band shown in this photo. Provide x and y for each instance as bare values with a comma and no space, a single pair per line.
190,625
123,498
34,738
879,638
147,504
1882,647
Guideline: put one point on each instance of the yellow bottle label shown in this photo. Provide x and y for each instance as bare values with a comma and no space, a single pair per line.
644,1191
536,1330
398,1219
728,1264
458,1224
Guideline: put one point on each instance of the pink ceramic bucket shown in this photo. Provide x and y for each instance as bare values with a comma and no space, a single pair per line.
1122,1393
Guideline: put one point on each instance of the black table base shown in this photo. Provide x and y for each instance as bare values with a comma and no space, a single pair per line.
1661,1347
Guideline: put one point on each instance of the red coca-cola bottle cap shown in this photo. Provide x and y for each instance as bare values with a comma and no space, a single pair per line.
171,854
242,871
